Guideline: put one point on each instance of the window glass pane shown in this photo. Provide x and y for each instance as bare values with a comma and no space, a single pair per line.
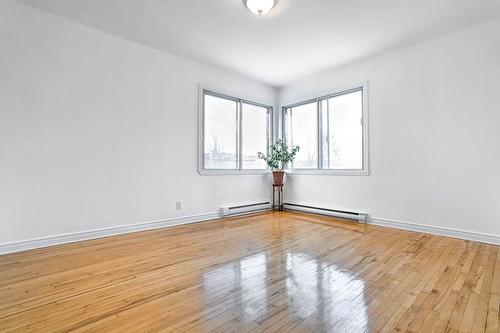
254,126
220,128
342,131
302,130
325,134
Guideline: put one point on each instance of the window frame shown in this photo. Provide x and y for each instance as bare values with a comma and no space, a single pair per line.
365,171
239,145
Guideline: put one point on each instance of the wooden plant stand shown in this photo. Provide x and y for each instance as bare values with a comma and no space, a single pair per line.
278,197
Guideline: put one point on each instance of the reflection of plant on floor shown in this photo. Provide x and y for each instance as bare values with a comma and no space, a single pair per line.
279,155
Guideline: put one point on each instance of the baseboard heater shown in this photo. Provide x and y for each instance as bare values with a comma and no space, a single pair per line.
243,209
356,216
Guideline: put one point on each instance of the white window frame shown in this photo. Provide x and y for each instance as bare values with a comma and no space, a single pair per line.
201,131
365,171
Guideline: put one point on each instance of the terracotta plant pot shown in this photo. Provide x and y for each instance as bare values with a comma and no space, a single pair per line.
278,177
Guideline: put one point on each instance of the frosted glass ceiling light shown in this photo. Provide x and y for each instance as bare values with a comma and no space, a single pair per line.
260,7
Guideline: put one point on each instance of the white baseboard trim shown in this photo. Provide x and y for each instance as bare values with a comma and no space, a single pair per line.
440,231
125,229
99,233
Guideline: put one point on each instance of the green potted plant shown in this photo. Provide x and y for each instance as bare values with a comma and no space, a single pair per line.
278,157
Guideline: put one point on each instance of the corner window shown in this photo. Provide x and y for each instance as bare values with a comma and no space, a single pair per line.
232,131
332,133
303,131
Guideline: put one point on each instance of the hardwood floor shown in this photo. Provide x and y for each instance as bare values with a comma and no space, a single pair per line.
268,272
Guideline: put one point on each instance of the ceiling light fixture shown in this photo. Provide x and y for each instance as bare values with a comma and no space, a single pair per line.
260,7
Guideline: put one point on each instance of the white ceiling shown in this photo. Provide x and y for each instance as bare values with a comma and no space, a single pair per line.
297,38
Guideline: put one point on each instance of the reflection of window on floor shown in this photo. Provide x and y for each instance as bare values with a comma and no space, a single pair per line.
298,284
253,285
241,283
325,294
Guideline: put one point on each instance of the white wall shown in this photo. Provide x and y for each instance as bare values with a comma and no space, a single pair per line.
434,134
97,131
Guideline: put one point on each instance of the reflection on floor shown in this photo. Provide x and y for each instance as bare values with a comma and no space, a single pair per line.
311,290
266,272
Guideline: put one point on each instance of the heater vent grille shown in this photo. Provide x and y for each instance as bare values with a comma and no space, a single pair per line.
345,214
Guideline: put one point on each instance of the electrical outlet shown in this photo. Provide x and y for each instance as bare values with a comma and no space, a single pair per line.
178,205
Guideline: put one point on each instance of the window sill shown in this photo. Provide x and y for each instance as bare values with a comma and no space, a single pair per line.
310,172
316,172
205,172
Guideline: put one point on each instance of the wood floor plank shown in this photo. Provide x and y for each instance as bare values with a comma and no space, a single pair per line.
266,272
